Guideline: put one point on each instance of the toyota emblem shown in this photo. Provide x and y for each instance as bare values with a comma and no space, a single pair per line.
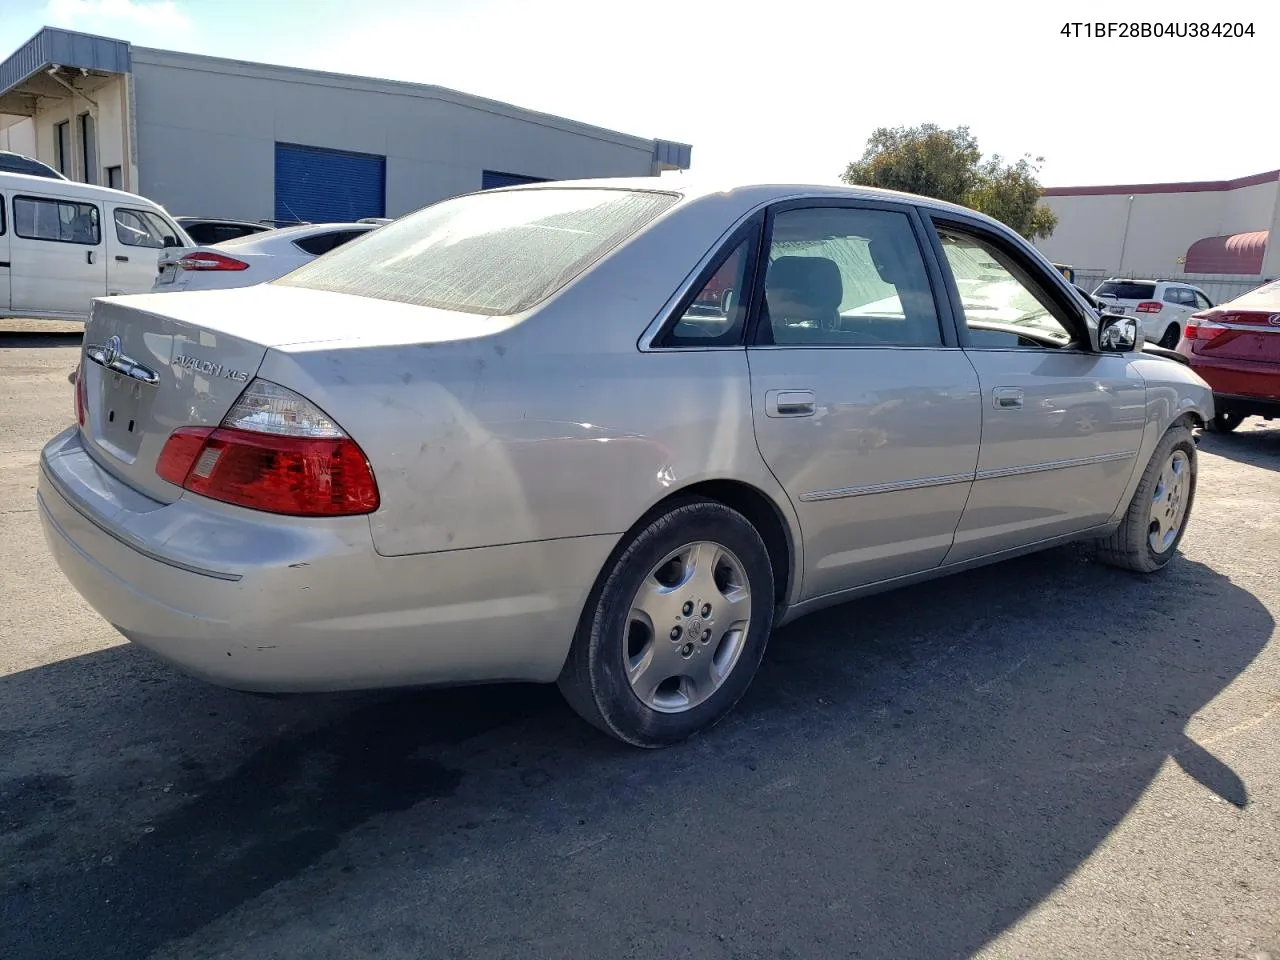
111,351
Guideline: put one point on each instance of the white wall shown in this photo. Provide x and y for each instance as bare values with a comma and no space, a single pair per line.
20,138
35,137
207,130
1160,226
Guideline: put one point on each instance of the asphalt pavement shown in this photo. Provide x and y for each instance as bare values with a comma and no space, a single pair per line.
1042,759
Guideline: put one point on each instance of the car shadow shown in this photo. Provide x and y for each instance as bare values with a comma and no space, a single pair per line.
908,776
40,339
1256,443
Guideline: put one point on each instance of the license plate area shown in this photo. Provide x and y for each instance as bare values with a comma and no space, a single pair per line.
120,411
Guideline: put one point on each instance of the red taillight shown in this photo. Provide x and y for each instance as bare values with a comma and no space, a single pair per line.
1149,306
274,452
80,395
210,261
1203,330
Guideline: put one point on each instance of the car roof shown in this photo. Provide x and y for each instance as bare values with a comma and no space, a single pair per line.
692,188
269,238
73,188
225,220
1175,283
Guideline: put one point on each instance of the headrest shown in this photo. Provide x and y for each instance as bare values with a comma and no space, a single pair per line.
811,281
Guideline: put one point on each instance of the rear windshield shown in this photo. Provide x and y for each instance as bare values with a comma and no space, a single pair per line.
492,253
1126,290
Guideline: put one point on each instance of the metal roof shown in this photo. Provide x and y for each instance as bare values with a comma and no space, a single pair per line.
1239,253
66,48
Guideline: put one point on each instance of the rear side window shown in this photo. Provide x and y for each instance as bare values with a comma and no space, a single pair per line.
494,253
1126,290
142,228
36,218
324,242
207,233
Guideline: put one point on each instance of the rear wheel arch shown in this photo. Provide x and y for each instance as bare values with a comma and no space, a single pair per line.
750,501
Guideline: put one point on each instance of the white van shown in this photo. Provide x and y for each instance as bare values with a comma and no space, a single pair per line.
63,243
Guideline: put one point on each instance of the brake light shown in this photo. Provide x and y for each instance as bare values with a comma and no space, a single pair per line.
81,405
1203,330
206,260
1149,306
276,452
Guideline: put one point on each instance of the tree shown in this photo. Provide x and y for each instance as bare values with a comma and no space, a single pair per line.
948,165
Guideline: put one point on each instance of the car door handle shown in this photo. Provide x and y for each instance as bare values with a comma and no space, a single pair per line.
120,259
88,256
1007,398
790,403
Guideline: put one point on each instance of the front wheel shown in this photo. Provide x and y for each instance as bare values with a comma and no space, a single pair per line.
1152,528
673,637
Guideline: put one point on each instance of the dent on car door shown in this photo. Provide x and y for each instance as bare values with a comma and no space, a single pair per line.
866,414
1061,424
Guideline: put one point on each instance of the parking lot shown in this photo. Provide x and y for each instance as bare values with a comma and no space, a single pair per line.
1046,758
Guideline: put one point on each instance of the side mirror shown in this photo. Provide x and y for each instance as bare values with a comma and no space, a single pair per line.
1118,334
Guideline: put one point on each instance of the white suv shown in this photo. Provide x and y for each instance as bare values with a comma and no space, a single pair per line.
1162,306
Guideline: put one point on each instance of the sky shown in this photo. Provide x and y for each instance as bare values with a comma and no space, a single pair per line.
781,91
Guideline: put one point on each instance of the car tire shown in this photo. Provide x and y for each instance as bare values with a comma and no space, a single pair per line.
1171,337
1156,519
674,632
1224,421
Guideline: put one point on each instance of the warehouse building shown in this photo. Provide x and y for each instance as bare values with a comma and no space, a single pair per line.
1216,234
205,136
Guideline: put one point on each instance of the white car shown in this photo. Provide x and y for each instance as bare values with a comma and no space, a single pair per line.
1162,306
255,258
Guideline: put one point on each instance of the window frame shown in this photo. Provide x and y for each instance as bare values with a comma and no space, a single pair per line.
87,127
748,232
137,211
57,200
1064,306
943,307
62,149
4,202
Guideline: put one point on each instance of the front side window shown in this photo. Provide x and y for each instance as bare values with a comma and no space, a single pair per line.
843,276
493,253
142,228
1002,308
1202,302
60,220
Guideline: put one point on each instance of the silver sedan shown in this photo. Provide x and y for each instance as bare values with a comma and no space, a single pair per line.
605,433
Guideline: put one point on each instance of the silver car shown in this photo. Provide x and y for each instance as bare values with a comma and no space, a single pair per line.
508,438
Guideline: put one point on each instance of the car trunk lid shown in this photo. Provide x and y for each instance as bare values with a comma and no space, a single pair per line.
145,374
1250,335
155,362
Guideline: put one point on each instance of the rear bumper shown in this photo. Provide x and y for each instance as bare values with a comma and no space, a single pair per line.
1238,380
269,603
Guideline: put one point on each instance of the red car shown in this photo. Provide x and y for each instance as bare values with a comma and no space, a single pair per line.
1235,347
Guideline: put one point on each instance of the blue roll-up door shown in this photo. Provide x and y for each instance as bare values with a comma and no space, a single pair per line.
328,186
491,179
